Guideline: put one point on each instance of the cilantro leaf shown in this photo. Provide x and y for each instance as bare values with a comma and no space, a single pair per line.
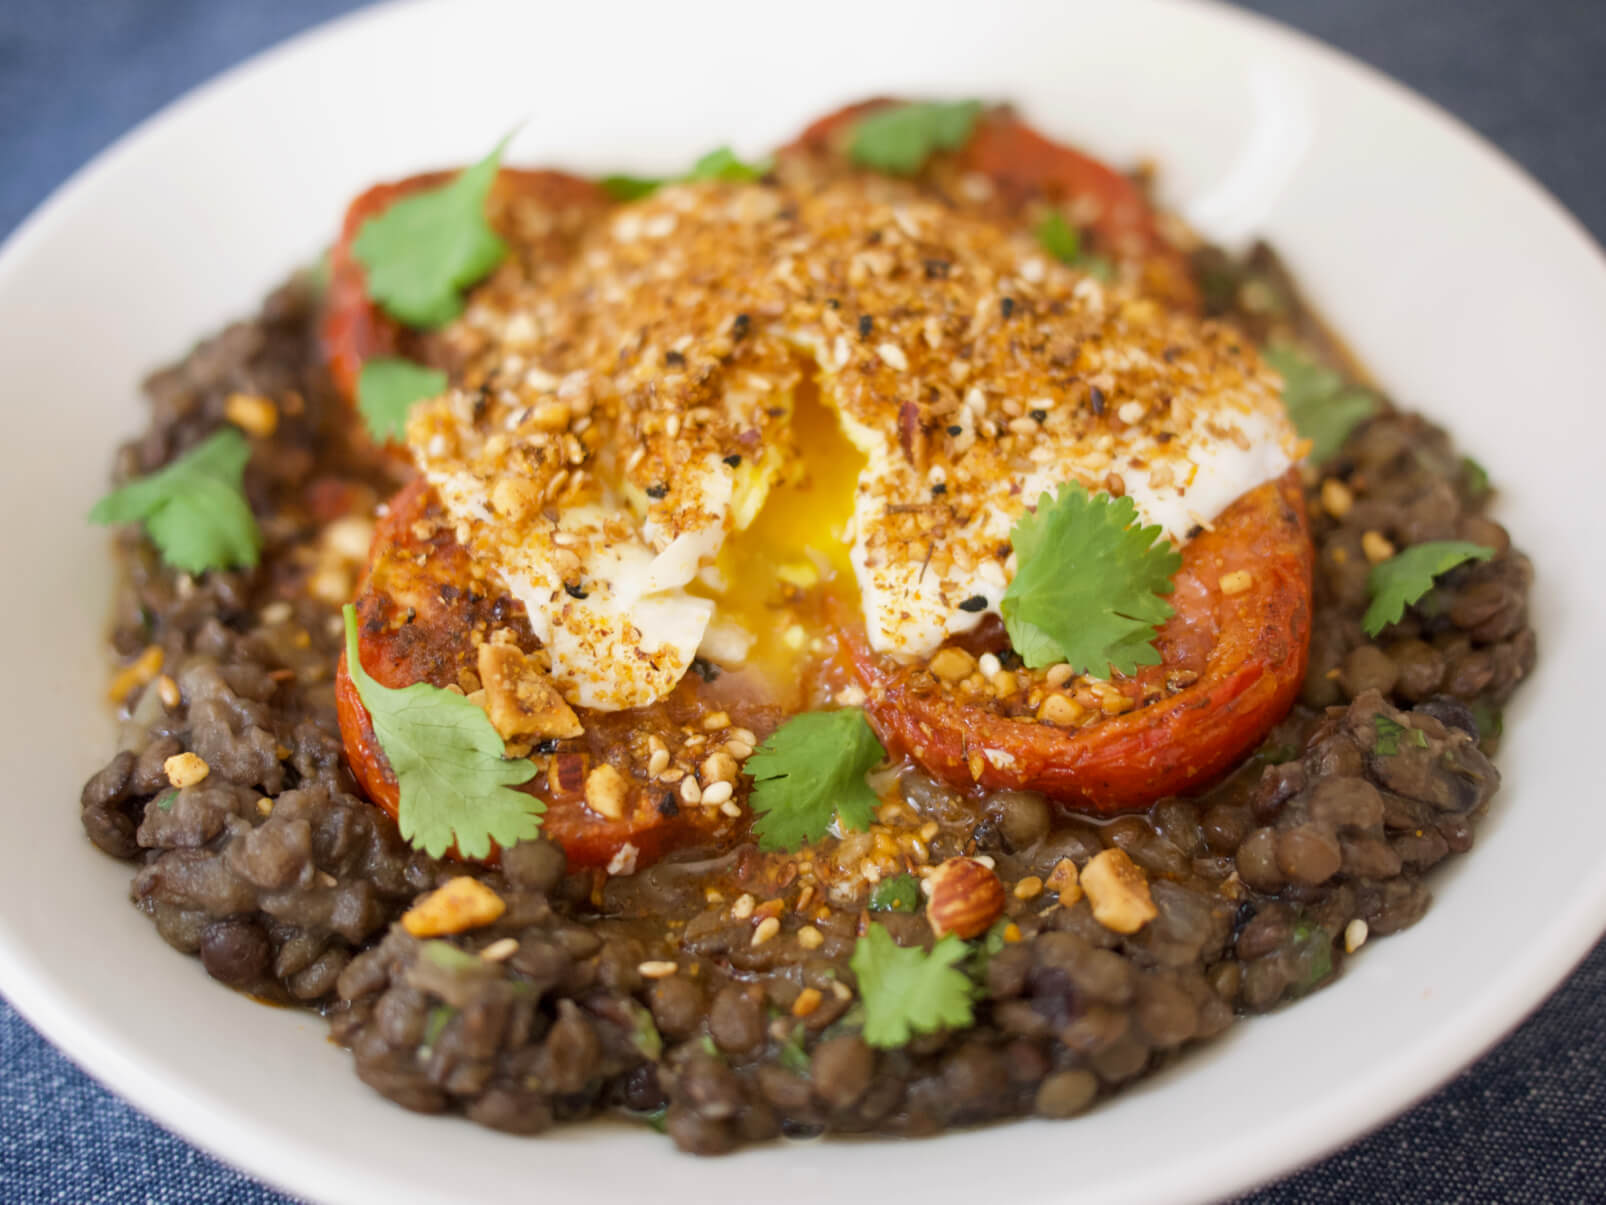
1089,582
194,510
423,250
901,893
387,387
1064,242
908,991
630,188
1475,477
1314,950
1388,735
1401,580
1321,406
721,163
900,138
809,771
456,787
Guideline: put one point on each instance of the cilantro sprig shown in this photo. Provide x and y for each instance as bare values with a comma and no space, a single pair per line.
900,138
1322,407
455,785
387,388
810,771
721,163
1403,579
425,249
907,991
1088,586
194,510
1064,242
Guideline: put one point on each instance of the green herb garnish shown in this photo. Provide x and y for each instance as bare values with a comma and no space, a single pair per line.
455,785
449,958
901,893
1315,949
1388,735
425,249
644,1035
1322,407
810,771
1062,240
387,389
900,138
166,801
792,1054
1475,476
194,510
1401,580
435,1024
906,991
721,163
658,1118
1089,583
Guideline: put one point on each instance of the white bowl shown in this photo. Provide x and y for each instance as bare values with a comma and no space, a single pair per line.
1467,290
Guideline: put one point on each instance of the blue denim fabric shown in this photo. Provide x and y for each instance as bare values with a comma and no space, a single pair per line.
1527,1124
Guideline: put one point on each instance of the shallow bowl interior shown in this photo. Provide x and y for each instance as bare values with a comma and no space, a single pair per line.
1466,289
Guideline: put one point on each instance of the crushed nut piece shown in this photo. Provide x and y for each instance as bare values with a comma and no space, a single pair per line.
1029,888
136,673
1336,498
965,898
1355,934
462,904
519,699
952,665
185,769
1064,882
743,907
1236,582
810,938
1117,891
807,1001
606,790
252,414
1376,546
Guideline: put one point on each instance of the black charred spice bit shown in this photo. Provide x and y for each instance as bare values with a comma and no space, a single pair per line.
481,401
973,604
831,303
1095,398
1007,306
660,490
674,359
1164,437
740,326
956,430
938,490
1194,530
1039,416
866,325
547,747
937,269
734,460
412,614
706,670
668,806
573,590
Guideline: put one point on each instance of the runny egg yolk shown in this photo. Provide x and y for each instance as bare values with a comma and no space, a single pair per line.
771,577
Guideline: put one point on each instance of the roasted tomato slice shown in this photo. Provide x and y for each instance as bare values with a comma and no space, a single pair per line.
1028,170
543,209
1240,643
418,614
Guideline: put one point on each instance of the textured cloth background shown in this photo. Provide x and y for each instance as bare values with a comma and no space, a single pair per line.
1524,1125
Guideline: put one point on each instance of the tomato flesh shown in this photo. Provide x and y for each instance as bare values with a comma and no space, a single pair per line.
1248,648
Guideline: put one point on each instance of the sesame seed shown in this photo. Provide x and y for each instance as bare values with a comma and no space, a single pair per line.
500,951
988,664
1130,412
767,928
1336,498
743,907
1355,934
730,808
892,356
716,793
657,968
1029,887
